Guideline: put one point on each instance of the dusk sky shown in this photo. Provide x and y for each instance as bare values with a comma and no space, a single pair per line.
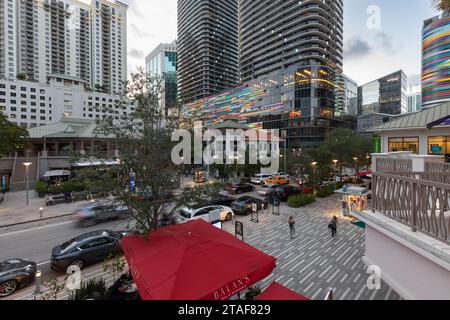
369,53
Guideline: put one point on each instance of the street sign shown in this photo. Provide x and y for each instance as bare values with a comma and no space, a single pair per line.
239,229
254,207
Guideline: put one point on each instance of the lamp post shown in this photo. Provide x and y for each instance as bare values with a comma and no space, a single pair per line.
27,166
38,276
314,165
335,162
356,168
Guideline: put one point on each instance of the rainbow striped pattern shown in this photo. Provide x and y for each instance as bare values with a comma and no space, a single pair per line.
239,104
436,62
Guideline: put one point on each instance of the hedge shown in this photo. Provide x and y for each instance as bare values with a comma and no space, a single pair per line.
301,200
69,186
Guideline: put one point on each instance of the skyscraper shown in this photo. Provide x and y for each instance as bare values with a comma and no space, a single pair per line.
64,37
162,62
275,35
386,95
414,98
208,51
436,60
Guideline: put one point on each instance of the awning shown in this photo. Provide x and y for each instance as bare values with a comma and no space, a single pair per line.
57,173
277,292
87,164
194,261
362,174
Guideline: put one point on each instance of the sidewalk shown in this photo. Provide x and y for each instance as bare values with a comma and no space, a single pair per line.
14,210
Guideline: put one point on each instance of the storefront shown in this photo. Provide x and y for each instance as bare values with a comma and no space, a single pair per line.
354,199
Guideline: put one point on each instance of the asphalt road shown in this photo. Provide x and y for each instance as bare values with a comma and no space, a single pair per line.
36,243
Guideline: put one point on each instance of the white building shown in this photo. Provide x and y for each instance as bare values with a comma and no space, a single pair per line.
30,104
68,37
414,98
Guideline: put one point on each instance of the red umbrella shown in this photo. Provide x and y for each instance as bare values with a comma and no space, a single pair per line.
277,292
194,261
362,174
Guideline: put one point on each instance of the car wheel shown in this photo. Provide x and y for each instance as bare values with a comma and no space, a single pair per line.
229,217
77,263
8,288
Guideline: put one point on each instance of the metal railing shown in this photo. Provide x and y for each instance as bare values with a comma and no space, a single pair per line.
415,199
393,165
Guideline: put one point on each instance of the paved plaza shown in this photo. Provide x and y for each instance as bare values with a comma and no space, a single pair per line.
312,263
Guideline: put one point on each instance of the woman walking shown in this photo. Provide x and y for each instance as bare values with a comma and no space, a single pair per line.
292,226
333,227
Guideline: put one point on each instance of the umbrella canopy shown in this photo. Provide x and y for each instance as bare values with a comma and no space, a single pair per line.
194,261
362,174
277,292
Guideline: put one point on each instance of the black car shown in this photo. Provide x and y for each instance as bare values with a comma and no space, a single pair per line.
218,200
284,192
243,205
100,212
15,274
86,249
240,188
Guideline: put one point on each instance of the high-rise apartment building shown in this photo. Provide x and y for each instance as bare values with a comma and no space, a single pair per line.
436,60
386,95
275,35
208,50
64,37
162,63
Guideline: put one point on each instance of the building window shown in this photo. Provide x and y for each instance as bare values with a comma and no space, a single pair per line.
404,144
438,146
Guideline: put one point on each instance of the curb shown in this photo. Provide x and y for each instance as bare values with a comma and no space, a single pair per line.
32,221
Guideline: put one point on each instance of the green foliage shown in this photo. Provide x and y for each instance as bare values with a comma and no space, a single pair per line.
301,200
22,76
92,289
54,287
114,265
13,137
252,293
41,187
325,191
443,5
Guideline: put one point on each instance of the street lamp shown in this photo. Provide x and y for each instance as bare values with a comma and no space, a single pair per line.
356,168
27,166
314,165
335,162
38,276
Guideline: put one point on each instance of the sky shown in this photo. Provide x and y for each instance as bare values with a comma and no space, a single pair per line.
380,37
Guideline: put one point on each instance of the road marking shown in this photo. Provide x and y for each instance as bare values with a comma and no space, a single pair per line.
34,229
43,263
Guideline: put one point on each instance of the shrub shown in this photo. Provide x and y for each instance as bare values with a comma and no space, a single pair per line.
326,191
301,200
252,293
93,289
41,188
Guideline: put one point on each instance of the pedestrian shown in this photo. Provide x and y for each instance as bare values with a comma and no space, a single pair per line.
333,227
292,226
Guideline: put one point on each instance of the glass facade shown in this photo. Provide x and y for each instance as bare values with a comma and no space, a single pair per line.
439,146
404,144
300,100
436,60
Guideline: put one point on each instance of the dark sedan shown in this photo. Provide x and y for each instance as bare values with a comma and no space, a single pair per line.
284,192
218,200
86,249
243,205
15,274
100,212
240,188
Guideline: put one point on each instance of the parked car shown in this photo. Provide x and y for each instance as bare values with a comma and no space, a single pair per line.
100,212
240,188
187,214
282,174
284,192
15,274
86,249
218,200
277,180
268,189
53,199
243,205
260,178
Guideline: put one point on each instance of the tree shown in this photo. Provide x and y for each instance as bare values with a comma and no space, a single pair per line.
22,76
144,140
443,5
13,137
114,265
54,287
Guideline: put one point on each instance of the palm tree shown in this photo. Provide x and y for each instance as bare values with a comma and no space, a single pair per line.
443,5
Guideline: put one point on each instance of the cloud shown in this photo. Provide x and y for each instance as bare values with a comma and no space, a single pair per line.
135,53
414,79
356,48
385,42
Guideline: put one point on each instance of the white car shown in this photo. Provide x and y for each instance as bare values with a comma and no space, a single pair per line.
260,178
187,214
267,189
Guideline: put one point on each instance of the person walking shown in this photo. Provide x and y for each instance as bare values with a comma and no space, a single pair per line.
333,227
292,226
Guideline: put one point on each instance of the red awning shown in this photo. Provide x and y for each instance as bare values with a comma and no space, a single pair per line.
362,174
277,292
194,261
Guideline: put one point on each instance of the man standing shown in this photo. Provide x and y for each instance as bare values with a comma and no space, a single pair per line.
333,227
292,226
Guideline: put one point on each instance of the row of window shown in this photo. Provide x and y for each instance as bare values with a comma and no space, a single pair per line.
437,146
23,89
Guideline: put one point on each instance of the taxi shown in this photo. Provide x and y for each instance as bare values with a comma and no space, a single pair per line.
279,180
